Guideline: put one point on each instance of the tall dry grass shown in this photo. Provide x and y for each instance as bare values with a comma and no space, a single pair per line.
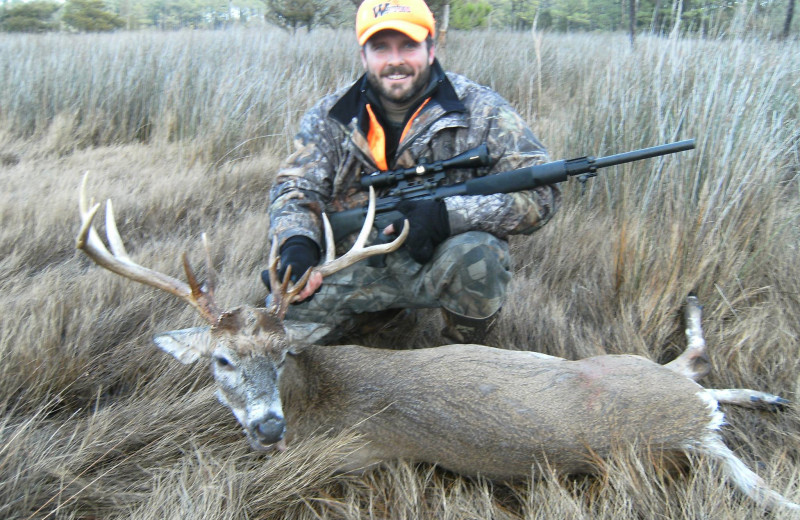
184,131
230,91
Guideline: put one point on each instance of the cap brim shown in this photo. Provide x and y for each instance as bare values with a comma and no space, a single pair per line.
413,31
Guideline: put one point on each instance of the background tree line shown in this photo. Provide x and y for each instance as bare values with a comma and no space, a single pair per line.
705,17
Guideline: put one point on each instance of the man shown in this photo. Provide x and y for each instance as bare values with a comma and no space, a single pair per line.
403,111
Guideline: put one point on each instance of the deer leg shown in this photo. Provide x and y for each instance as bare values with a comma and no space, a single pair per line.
741,476
693,362
749,398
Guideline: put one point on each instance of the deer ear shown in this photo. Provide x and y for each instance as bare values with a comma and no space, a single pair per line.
186,345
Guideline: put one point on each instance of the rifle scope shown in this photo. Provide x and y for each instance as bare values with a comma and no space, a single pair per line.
478,156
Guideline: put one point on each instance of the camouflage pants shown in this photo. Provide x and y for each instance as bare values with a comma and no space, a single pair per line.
468,275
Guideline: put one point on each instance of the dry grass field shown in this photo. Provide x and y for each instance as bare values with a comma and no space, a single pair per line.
184,131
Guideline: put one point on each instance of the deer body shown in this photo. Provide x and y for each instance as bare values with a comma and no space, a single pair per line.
480,410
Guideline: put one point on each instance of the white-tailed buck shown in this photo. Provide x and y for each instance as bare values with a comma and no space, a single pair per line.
473,409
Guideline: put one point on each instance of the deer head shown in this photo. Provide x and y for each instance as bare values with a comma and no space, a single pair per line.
247,347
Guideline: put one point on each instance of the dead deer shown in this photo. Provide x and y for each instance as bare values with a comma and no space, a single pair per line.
472,409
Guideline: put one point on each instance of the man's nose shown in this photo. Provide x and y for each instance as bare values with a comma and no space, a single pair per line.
395,57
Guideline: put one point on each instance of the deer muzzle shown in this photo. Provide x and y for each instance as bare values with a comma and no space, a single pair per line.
266,431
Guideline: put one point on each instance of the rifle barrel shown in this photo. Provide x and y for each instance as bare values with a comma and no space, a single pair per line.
645,153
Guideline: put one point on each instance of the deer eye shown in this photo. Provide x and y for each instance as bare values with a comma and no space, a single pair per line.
222,361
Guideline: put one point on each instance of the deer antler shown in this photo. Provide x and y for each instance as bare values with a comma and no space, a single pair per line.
120,263
284,294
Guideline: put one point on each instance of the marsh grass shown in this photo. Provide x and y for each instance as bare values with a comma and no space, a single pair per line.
184,131
230,91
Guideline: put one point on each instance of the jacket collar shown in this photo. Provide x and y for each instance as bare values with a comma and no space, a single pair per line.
353,103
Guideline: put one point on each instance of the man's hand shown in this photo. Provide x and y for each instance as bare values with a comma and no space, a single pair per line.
301,253
429,226
314,283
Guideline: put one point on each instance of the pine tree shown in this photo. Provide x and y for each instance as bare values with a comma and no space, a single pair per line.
90,16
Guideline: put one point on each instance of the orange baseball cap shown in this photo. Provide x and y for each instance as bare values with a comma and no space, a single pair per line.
411,17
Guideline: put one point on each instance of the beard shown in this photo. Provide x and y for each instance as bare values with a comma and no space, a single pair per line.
397,94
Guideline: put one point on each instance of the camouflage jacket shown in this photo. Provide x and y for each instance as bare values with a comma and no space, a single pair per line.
332,153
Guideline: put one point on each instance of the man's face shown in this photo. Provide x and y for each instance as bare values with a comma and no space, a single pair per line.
397,66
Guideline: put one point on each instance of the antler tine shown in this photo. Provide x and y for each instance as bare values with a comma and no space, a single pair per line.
298,286
282,293
194,285
87,214
274,284
290,292
368,221
88,241
330,246
112,233
358,251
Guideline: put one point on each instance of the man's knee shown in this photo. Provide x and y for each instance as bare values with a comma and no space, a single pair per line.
473,271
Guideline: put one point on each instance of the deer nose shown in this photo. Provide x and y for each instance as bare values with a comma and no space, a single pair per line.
269,429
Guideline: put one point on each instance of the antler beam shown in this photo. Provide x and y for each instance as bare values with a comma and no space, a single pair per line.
118,261
284,294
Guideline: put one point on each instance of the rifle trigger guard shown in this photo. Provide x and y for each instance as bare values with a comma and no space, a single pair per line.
582,178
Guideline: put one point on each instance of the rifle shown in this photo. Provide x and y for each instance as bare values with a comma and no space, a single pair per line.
350,221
